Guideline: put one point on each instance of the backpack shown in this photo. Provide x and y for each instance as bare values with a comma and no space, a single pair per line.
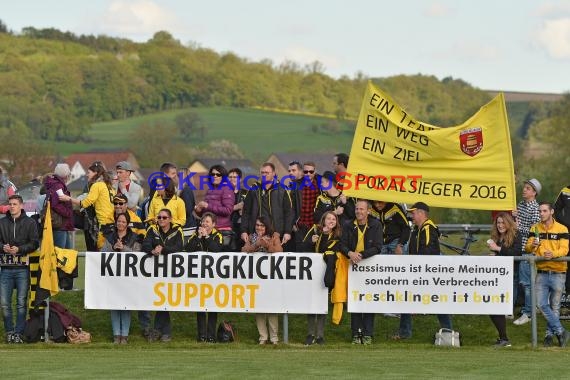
226,332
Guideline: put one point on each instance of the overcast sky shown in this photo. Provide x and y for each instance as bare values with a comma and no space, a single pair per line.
516,45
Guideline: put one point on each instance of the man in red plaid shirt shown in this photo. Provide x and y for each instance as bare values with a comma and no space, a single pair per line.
306,191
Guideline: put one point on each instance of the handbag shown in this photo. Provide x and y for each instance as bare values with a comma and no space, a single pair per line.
226,332
76,335
447,338
56,219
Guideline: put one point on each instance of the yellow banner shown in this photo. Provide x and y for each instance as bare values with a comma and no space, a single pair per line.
396,158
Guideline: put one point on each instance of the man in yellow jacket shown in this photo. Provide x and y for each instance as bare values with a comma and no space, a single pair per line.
549,239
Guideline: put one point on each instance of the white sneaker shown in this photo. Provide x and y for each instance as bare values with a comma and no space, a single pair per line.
523,319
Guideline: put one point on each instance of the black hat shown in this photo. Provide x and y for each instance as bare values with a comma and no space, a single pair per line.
419,206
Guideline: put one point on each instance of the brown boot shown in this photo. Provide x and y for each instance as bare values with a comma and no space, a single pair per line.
117,339
124,340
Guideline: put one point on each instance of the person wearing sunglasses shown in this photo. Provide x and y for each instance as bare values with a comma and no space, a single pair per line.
306,190
120,202
206,240
163,238
219,200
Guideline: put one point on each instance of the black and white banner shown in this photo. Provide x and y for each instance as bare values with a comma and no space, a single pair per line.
199,281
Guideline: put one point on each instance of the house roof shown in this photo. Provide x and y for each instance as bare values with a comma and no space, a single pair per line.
109,159
246,166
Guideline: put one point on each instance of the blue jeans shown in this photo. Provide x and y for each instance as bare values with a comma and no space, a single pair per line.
121,322
406,324
10,279
144,319
549,289
62,239
524,280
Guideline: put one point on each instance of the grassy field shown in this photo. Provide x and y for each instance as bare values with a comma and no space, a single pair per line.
258,133
183,357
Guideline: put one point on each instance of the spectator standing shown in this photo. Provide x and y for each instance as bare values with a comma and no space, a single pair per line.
18,237
527,215
63,233
306,191
100,196
123,239
219,200
235,176
360,240
549,240
124,185
424,240
165,197
163,238
264,239
332,199
7,189
562,216
395,227
206,240
505,241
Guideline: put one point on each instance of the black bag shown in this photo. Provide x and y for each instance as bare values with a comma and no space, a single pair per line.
226,332
34,329
56,219
229,241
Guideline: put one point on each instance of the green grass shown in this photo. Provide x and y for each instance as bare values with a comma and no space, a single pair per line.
183,357
258,133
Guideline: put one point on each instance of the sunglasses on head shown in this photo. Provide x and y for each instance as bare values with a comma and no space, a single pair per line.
119,203
162,217
308,171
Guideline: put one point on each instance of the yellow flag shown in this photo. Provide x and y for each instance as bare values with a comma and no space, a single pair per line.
66,259
48,259
396,158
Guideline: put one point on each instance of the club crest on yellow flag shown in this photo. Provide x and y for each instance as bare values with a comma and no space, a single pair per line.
396,158
48,258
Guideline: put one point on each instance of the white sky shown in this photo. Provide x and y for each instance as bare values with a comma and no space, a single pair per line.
516,45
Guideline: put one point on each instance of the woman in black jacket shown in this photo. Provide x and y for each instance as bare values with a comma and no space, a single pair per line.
206,240
505,241
162,239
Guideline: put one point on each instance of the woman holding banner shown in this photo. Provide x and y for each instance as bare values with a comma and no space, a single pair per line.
123,239
206,240
325,238
505,241
264,239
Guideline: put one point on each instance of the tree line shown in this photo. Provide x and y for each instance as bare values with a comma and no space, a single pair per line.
56,84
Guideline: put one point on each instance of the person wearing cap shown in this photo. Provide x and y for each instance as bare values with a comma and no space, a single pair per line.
424,240
549,240
120,203
527,215
124,185
360,240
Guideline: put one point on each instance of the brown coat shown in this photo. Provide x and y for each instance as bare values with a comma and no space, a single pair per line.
264,244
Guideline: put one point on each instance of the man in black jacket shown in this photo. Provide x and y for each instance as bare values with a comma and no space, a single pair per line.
423,241
18,238
269,199
360,240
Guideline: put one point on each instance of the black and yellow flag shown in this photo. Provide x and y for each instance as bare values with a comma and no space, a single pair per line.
48,258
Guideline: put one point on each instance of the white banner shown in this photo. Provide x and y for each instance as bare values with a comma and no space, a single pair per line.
431,285
200,281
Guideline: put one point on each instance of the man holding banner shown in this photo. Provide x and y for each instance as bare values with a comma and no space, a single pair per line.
423,241
360,240
18,238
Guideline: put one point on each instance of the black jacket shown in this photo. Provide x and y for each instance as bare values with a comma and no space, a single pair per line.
275,203
21,232
211,243
562,207
171,241
394,223
425,240
372,238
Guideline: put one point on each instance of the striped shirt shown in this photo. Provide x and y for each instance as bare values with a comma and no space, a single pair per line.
527,215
